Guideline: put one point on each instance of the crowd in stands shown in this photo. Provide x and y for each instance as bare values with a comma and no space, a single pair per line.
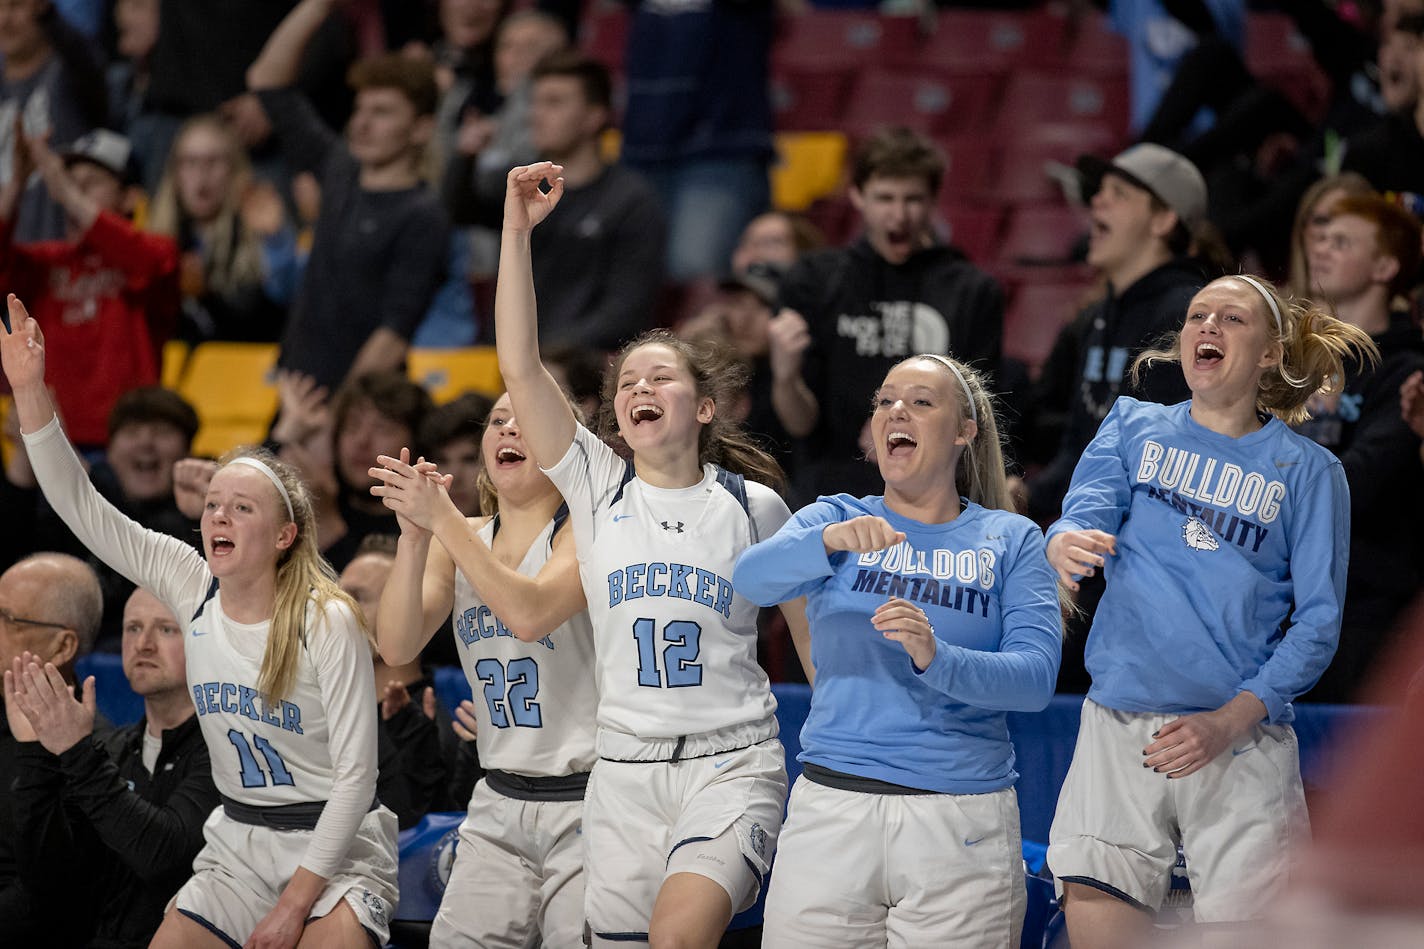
326,179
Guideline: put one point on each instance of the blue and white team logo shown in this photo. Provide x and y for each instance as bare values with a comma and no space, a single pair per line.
758,839
1198,536
444,860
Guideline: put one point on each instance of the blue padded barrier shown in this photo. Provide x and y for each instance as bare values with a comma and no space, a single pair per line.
117,702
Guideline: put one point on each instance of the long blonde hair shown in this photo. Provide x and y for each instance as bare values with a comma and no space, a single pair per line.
980,474
304,580
1314,346
233,254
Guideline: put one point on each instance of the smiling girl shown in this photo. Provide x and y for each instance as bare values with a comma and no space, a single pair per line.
685,800
281,676
904,826
523,635
1223,537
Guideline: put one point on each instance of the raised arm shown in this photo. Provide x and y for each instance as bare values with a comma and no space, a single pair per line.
545,417
417,596
532,607
167,565
81,208
280,62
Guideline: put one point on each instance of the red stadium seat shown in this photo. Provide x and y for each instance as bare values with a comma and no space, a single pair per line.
1042,235
1021,175
1073,138
1272,41
1035,98
969,161
931,105
1035,316
974,229
843,39
1279,56
809,101
1095,49
991,41
603,33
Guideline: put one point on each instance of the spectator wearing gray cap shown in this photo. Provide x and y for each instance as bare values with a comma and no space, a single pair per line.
1147,204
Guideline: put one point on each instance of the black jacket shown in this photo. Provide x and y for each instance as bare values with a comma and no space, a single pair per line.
95,814
866,314
1115,330
1380,455
1390,156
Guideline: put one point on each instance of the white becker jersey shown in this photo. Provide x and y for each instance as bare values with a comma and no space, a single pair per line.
676,644
536,702
269,752
317,744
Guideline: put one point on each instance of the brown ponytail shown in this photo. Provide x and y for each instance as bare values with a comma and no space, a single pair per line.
718,374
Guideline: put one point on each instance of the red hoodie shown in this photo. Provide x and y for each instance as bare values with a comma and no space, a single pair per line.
106,305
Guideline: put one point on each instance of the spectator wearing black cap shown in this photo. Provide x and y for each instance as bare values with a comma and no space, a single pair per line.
106,297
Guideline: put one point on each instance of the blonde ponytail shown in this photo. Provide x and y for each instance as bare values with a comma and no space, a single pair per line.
1314,347
304,580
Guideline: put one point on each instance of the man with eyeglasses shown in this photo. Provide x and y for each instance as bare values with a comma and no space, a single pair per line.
50,606
128,805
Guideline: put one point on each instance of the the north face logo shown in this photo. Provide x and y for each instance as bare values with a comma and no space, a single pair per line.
1198,536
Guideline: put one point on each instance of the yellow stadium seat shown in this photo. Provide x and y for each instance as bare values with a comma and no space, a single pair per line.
7,405
215,438
231,383
445,373
809,165
175,357
610,144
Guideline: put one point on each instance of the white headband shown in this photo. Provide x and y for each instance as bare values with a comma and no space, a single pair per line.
963,383
272,476
1270,300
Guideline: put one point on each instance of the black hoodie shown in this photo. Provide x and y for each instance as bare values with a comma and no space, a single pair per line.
1380,455
866,314
1115,330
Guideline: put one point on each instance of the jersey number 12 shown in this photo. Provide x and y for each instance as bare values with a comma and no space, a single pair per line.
683,639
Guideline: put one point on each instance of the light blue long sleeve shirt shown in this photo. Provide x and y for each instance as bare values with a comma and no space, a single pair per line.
1231,558
984,582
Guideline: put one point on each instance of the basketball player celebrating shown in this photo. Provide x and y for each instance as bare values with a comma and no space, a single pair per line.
1224,538
904,827
685,800
281,677
525,643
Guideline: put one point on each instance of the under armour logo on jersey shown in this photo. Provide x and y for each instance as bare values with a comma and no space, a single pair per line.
1198,536
675,528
